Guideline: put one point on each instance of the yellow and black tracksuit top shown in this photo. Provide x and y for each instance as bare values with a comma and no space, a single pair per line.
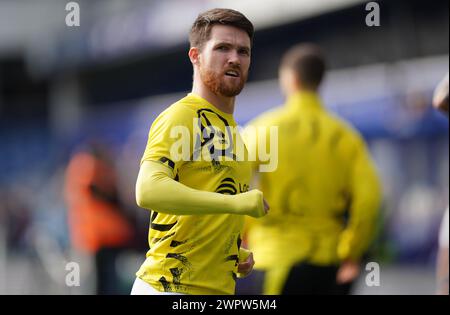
198,203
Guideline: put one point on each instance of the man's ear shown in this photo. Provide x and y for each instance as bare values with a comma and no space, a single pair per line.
194,55
289,82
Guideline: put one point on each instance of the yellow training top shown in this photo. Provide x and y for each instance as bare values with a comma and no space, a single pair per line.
323,171
197,254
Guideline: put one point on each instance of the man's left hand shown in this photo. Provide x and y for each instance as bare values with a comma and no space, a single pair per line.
348,271
246,267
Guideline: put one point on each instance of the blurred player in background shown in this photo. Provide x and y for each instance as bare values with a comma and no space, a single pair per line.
440,101
198,206
442,259
324,195
440,97
98,223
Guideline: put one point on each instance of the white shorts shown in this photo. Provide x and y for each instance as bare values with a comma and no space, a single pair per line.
140,287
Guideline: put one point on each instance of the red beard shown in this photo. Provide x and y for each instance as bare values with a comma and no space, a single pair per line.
217,84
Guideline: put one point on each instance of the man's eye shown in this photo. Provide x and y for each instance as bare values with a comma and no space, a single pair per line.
223,48
244,52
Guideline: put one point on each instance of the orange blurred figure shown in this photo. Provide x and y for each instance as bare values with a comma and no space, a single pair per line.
96,220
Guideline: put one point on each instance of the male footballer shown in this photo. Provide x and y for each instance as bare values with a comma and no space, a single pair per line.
198,203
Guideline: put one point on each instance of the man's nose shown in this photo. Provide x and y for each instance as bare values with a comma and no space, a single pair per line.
233,58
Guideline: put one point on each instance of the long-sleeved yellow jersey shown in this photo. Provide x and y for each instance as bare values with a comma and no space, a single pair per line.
198,204
324,194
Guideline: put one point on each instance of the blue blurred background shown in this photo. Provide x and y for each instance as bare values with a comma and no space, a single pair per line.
108,78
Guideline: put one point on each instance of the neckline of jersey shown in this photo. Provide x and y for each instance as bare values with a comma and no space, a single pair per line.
211,106
305,99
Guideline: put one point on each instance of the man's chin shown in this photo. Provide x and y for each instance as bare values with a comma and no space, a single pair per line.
230,91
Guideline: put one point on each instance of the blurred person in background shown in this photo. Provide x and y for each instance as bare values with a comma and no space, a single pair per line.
442,259
324,195
16,217
440,97
440,102
97,222
198,205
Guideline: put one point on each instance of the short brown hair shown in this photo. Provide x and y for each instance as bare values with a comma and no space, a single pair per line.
308,63
201,29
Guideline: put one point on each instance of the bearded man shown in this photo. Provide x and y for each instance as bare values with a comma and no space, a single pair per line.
198,204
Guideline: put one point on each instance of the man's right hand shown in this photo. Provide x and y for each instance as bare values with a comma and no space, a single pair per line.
251,203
